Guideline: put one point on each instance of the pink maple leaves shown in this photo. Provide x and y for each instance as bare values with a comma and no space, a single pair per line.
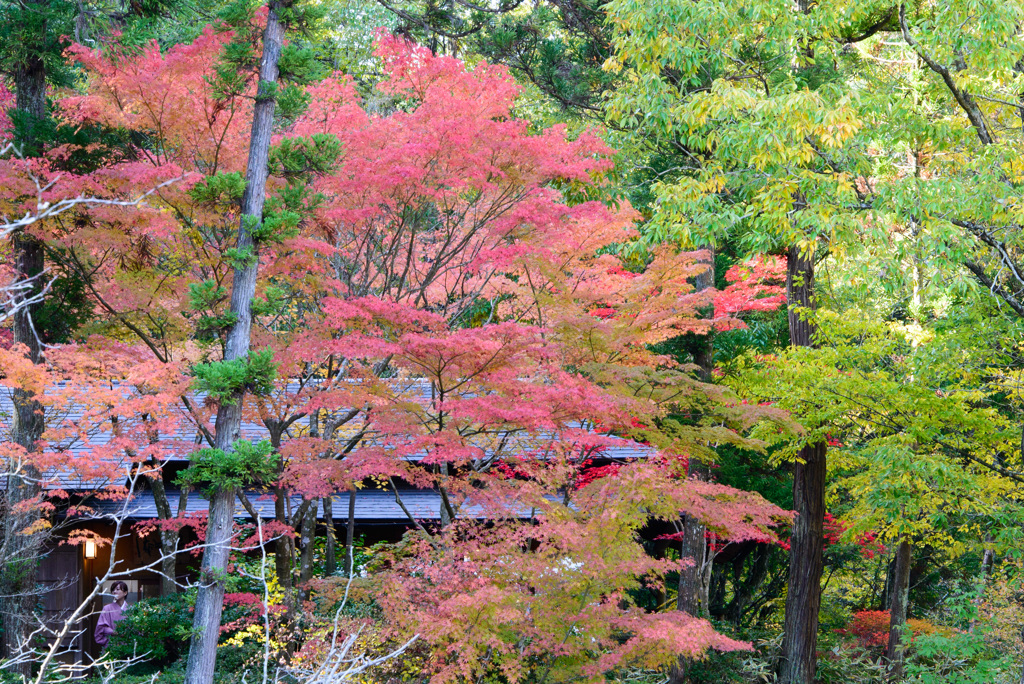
557,592
168,94
756,285
448,309
110,411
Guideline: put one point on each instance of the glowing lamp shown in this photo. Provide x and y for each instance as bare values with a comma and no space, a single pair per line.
90,548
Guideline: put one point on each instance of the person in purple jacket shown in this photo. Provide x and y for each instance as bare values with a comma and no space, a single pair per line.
111,614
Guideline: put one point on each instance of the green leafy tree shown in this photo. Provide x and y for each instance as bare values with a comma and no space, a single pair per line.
918,433
813,128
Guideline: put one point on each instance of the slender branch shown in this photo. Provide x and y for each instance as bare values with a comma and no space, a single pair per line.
995,288
962,97
401,504
45,210
249,508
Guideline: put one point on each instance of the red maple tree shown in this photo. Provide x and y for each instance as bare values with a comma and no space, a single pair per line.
430,313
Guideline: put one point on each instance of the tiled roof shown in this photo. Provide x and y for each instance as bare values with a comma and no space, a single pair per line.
371,506
620,449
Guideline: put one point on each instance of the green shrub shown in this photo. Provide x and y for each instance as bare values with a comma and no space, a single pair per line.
172,675
158,627
957,658
161,629
234,662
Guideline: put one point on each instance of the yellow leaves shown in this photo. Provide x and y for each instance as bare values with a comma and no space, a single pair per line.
252,633
40,525
1013,169
914,333
274,597
845,188
17,371
696,187
612,65
839,125
773,204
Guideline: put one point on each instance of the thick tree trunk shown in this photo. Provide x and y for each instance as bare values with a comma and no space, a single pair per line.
894,652
800,297
803,599
22,551
30,84
210,599
692,596
694,580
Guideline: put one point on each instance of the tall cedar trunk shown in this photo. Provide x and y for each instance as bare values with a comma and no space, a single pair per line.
694,580
803,600
800,297
693,587
21,551
896,649
30,81
210,599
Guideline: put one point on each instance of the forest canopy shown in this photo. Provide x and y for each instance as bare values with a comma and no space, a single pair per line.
561,341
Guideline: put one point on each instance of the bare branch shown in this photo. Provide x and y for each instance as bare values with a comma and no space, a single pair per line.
23,294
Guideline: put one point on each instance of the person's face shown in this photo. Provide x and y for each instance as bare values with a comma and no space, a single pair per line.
119,593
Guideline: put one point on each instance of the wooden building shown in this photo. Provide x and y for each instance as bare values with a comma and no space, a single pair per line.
67,573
